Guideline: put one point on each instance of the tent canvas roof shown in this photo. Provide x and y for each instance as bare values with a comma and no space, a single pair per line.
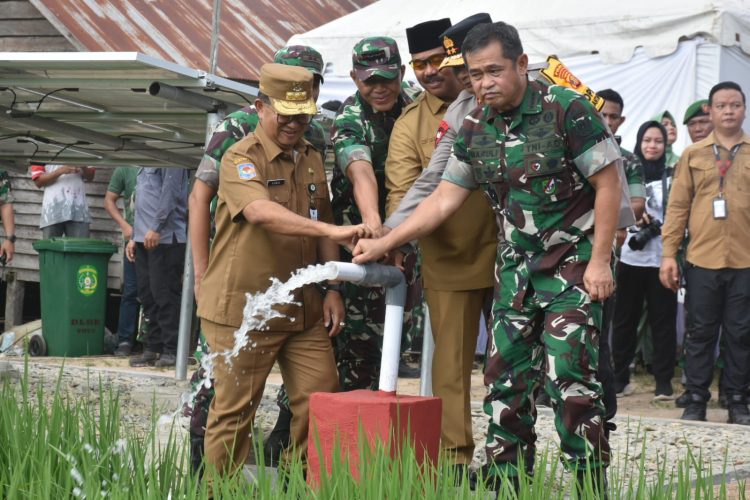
571,28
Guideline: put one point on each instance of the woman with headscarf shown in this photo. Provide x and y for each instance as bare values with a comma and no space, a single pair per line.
670,125
638,275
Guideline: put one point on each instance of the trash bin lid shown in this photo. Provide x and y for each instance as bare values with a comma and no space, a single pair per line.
75,245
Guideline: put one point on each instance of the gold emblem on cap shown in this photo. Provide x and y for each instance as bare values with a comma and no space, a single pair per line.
450,47
297,93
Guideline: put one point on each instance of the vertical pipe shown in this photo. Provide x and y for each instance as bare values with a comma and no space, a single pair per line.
188,278
395,298
428,351
186,315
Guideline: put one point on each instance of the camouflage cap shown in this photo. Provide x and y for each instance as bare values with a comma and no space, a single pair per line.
376,56
454,36
695,109
290,89
303,56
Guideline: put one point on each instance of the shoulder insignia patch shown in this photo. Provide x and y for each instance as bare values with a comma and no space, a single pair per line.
246,171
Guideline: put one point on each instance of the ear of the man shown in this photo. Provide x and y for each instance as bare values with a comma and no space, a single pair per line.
523,64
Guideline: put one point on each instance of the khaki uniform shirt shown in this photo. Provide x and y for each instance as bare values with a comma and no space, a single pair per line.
459,254
244,257
714,244
411,145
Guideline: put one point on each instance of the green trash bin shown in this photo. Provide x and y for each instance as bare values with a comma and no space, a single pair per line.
73,284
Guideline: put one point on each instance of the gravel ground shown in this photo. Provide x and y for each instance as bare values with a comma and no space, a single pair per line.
722,446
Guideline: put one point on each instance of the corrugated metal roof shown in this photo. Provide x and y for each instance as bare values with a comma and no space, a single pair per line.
180,30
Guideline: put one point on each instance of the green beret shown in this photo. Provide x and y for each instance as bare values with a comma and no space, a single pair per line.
695,109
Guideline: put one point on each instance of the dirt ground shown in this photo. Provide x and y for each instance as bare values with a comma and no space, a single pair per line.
640,403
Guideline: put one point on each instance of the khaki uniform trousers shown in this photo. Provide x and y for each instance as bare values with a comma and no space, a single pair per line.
307,366
454,317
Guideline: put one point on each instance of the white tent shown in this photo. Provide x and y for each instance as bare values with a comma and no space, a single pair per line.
657,54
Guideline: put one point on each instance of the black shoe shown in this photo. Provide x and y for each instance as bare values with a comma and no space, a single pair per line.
166,361
543,399
592,480
694,411
723,400
664,392
738,412
492,480
123,350
278,439
460,474
147,358
406,371
683,400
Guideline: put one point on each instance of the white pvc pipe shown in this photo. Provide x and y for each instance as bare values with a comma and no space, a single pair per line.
428,352
347,271
394,320
395,298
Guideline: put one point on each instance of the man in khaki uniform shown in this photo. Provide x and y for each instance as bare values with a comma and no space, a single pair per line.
273,217
458,258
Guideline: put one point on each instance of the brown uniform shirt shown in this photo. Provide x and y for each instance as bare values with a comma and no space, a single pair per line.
714,244
411,145
245,256
460,253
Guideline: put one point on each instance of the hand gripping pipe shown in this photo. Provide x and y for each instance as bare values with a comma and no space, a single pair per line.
372,275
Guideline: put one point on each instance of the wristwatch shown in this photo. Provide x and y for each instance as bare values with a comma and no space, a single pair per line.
336,287
11,238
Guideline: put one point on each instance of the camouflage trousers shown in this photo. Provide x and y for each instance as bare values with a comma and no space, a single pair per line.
561,328
197,410
359,346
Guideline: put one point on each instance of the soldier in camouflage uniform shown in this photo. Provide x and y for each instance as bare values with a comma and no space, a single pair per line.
8,247
229,131
360,138
548,167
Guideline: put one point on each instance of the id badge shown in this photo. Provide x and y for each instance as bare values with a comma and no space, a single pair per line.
314,213
720,208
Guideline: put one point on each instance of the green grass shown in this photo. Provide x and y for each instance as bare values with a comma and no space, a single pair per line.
54,446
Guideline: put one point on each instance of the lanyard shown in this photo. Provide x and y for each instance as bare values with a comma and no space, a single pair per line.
724,165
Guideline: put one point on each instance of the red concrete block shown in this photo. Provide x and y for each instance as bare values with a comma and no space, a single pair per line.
336,419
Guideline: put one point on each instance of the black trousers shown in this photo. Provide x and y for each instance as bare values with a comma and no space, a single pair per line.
634,284
159,274
717,297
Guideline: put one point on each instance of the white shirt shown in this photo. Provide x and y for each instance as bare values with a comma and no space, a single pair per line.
650,256
64,200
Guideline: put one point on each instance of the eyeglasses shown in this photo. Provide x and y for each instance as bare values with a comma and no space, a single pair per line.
435,61
287,119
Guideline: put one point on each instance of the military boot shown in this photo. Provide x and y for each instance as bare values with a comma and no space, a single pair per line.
738,412
695,409
491,478
592,483
279,438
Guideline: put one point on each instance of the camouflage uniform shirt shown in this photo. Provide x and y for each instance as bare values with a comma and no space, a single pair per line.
6,195
236,126
533,164
634,174
361,133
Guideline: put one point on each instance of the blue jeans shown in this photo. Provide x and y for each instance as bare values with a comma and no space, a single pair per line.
128,304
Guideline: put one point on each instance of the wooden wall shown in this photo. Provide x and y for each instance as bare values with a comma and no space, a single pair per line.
27,206
24,29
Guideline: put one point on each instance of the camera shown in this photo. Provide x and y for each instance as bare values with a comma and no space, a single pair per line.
644,235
